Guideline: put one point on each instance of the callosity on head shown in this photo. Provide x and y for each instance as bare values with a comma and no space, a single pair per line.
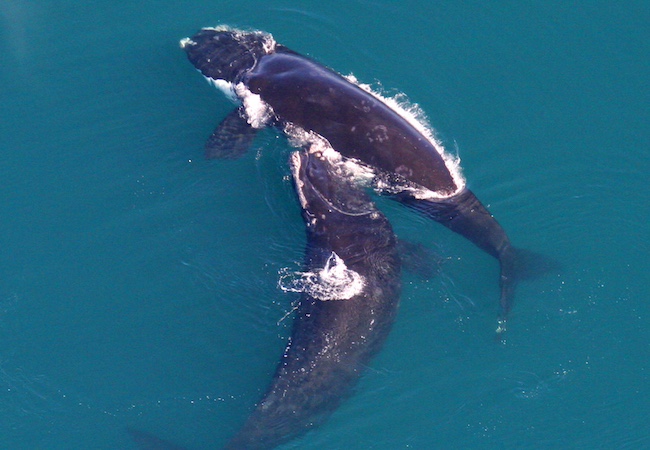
225,54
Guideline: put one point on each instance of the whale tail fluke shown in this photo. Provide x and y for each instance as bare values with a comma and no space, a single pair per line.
517,265
465,214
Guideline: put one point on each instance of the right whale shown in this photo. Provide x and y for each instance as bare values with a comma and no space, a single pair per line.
279,87
349,299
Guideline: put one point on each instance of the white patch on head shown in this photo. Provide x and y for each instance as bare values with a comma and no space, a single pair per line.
333,282
268,42
186,41
235,93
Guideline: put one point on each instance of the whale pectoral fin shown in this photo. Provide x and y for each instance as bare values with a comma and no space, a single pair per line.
231,139
419,259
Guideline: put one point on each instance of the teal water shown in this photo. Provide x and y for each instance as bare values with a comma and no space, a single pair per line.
138,282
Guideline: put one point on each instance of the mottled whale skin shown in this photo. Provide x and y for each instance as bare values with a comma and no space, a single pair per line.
332,339
300,92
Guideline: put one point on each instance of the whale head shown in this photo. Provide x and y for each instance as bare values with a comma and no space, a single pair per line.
324,186
226,54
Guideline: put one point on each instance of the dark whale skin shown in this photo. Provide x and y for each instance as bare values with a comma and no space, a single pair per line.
357,124
332,340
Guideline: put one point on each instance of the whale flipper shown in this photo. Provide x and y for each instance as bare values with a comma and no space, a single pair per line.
419,260
232,137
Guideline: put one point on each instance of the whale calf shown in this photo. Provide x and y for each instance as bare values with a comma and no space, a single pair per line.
350,294
279,87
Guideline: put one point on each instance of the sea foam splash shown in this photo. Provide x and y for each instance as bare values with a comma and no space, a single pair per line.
258,112
333,282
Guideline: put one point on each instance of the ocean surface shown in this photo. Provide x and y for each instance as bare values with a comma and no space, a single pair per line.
139,282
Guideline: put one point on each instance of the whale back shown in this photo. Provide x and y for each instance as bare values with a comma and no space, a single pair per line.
339,325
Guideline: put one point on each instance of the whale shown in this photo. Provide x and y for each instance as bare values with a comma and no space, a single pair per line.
350,291
349,285
275,86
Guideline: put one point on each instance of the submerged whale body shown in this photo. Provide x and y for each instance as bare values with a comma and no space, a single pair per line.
344,313
350,292
278,87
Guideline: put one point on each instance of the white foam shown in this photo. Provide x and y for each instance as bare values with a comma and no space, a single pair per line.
333,282
300,138
295,163
351,168
224,86
391,183
258,112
